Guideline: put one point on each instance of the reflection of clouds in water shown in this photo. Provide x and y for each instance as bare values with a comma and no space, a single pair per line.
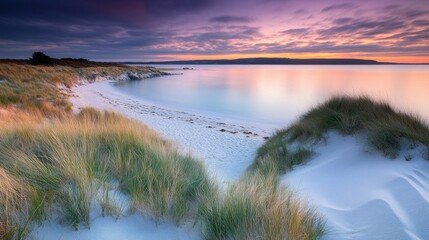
279,94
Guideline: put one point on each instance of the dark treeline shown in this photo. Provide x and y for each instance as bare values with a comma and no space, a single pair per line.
39,58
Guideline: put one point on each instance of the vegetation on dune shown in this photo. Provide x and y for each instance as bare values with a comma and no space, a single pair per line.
61,166
256,207
383,127
12,194
35,88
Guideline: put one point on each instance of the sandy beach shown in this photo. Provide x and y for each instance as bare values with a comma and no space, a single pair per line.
361,194
226,148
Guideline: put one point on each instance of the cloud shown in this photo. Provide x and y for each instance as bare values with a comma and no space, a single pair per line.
296,31
334,7
216,35
357,27
413,13
231,19
127,12
301,11
341,21
141,29
392,7
420,23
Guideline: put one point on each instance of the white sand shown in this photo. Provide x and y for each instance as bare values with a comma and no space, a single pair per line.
107,228
127,226
225,148
362,194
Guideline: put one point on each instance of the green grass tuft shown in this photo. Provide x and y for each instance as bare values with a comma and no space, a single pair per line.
257,208
385,140
383,127
274,155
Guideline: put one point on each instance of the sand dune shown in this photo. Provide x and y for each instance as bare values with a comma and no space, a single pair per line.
364,195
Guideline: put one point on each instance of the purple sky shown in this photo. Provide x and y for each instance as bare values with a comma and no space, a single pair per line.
143,30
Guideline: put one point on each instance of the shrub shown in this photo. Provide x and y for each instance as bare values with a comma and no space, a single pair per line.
39,58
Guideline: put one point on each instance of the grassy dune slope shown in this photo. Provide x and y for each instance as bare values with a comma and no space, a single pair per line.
60,167
52,167
36,88
384,128
256,207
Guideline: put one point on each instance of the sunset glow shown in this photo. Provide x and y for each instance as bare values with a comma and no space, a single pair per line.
143,30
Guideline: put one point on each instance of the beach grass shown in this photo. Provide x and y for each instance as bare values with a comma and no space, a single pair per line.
37,88
61,167
34,88
256,207
383,127
11,193
62,164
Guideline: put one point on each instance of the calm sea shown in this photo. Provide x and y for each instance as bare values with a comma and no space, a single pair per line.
278,94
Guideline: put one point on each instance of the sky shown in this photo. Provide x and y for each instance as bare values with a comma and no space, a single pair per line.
157,30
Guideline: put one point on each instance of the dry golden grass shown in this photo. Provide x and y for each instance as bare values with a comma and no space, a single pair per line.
12,195
65,162
255,207
36,88
11,115
62,164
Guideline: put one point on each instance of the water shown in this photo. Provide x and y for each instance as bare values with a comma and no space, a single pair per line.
278,94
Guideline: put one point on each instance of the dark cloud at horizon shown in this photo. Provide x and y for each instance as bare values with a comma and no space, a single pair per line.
159,30
231,19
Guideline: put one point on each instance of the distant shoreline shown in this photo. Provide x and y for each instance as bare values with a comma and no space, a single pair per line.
276,61
241,61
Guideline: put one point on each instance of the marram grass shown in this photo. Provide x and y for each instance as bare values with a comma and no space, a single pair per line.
384,128
62,166
44,89
256,207
65,162
236,215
